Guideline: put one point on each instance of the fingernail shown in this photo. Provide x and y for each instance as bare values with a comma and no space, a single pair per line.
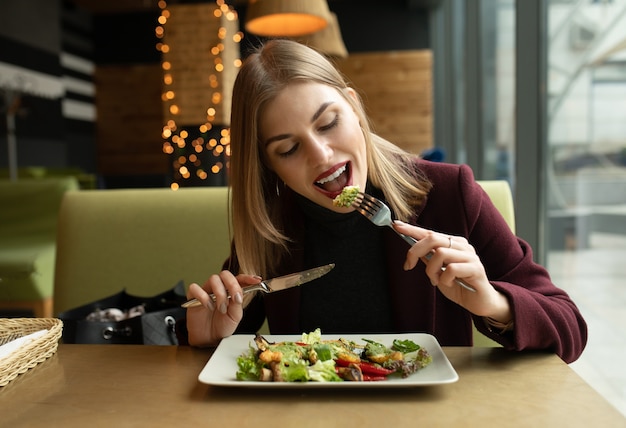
257,277
406,265
211,304
398,222
223,308
239,298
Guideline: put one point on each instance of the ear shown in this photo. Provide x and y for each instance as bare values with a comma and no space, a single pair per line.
352,93
358,107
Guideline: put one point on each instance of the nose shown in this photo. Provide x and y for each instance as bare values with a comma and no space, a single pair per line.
319,150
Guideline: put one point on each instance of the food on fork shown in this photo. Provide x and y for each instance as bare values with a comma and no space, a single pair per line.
315,360
347,196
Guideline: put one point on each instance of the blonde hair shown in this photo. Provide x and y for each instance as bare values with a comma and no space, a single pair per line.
257,215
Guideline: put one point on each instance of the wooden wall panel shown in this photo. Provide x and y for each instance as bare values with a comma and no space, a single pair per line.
129,120
192,34
396,88
130,109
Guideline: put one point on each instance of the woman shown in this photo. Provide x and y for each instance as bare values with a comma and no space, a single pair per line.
299,134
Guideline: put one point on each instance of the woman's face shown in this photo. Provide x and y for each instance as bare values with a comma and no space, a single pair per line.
313,142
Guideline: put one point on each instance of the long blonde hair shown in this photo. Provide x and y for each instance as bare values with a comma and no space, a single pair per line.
257,218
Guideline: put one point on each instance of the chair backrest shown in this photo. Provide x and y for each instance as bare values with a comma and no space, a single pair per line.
141,240
29,208
499,192
146,240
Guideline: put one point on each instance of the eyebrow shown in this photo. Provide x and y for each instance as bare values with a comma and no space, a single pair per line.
315,116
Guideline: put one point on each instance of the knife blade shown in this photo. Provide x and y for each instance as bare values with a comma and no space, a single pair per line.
277,284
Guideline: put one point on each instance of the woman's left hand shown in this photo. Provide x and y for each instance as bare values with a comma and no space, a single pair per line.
459,260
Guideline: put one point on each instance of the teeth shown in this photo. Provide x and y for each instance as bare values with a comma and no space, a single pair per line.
333,176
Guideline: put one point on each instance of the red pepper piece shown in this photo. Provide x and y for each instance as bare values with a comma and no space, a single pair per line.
374,369
343,363
366,367
372,378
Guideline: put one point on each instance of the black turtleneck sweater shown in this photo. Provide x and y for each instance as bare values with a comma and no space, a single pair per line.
353,296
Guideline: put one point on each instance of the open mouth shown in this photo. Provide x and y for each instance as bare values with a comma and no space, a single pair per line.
334,183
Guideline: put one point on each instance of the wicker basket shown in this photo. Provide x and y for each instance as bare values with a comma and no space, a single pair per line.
32,353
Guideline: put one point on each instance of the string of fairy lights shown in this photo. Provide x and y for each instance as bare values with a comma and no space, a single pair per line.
188,148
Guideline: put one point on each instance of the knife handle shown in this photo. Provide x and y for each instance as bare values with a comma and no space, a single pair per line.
261,286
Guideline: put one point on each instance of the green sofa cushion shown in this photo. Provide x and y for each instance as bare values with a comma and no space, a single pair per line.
20,261
28,225
141,240
27,272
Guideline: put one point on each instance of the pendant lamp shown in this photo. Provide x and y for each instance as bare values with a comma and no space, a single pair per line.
286,18
328,41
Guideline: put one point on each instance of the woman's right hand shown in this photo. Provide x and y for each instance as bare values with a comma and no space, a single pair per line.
208,323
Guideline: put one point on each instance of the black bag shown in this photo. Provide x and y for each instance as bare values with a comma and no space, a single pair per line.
156,323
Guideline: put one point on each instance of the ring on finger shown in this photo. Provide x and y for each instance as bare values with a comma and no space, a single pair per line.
449,241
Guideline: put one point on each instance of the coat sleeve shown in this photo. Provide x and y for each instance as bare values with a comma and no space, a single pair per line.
544,315
545,318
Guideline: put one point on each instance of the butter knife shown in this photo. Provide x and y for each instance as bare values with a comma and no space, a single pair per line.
276,284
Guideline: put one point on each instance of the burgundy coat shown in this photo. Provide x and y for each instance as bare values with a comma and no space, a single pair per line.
545,317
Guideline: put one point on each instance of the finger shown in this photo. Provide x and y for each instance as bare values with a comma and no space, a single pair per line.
245,279
422,250
233,289
447,277
451,242
194,291
443,264
197,292
412,257
410,230
215,285
433,270
428,239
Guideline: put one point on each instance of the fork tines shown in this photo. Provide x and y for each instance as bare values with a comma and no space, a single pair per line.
367,202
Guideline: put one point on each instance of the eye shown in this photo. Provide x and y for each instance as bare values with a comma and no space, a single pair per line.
330,125
289,152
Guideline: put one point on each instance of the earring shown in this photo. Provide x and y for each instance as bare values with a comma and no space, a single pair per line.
277,189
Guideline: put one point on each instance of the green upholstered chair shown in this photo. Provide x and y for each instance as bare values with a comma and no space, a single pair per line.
85,180
146,240
141,240
28,222
500,194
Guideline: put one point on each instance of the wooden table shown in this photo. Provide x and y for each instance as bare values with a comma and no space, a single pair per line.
157,386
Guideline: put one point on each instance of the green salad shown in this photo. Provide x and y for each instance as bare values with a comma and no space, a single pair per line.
315,360
347,196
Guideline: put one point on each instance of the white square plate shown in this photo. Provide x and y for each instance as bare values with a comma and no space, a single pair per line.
221,369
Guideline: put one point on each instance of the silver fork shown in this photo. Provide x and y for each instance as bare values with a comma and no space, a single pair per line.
379,213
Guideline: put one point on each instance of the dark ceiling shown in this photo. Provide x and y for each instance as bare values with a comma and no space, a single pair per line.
124,6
